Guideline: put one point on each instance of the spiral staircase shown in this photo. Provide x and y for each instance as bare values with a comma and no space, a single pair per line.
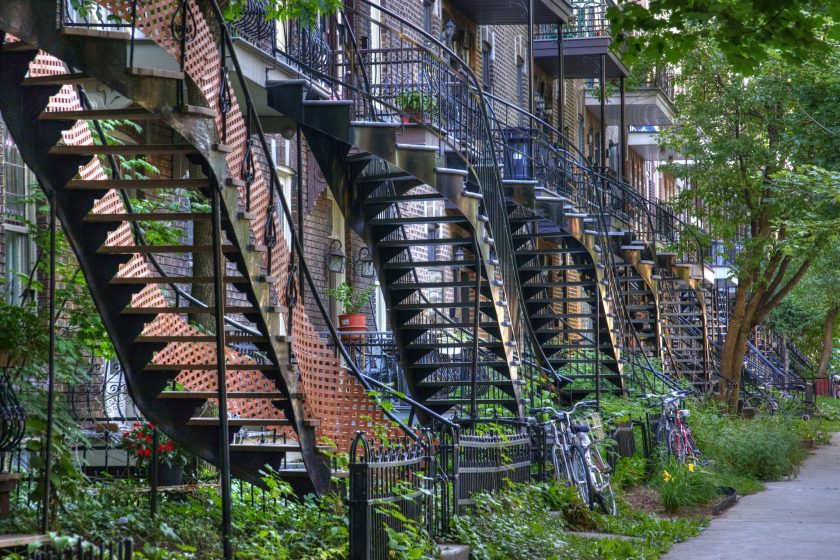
289,388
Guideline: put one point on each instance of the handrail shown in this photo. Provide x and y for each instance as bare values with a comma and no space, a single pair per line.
296,244
495,209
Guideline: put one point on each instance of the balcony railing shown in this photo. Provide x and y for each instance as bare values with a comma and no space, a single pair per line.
589,20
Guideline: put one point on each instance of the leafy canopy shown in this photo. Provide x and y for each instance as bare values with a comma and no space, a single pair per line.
747,32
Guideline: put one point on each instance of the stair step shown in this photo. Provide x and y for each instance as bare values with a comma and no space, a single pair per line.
159,368
445,305
123,149
214,421
130,113
145,280
154,73
457,365
273,395
466,382
98,33
231,338
391,176
461,241
71,78
146,249
191,310
278,447
148,217
144,184
402,287
429,264
407,220
392,199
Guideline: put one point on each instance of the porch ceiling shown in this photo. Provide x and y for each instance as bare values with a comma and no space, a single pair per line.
581,58
513,12
646,107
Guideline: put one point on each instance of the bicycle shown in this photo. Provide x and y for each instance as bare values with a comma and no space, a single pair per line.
576,459
672,431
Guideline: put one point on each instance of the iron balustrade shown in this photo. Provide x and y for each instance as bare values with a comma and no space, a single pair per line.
589,20
486,461
79,548
390,486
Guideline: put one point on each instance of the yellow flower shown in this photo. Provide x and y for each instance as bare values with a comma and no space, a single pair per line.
666,476
691,467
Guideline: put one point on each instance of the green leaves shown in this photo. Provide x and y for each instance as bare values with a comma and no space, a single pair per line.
748,33
306,12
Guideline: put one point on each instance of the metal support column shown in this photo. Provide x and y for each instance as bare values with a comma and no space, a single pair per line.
476,323
603,162
45,512
219,297
597,335
623,132
530,58
299,171
153,474
561,93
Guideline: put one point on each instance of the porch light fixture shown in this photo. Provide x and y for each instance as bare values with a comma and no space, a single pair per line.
365,264
448,33
335,257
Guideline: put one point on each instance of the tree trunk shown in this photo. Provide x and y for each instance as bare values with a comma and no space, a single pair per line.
203,266
828,340
785,357
732,358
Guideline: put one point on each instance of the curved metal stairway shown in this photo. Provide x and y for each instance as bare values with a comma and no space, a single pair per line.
171,366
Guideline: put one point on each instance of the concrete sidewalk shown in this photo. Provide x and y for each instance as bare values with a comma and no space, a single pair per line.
792,520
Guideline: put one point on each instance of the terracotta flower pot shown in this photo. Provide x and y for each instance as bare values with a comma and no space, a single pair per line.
352,322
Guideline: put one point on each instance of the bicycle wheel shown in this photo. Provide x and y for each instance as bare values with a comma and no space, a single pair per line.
676,445
580,475
603,491
691,446
558,461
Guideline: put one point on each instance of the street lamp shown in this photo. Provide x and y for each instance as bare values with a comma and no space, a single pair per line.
335,257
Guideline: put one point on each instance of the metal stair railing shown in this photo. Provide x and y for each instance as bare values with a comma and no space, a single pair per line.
583,186
367,382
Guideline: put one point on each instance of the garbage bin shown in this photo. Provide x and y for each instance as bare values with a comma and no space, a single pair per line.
518,164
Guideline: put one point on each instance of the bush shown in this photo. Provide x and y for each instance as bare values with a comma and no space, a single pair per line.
684,485
764,448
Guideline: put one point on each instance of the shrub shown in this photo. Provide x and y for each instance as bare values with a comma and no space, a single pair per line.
629,472
764,448
684,485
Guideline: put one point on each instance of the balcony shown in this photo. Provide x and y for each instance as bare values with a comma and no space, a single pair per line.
648,104
505,12
643,141
585,40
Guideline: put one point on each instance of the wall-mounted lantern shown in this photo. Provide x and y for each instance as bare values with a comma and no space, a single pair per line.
364,264
335,257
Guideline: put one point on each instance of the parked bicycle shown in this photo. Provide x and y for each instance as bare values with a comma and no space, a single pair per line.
575,456
672,432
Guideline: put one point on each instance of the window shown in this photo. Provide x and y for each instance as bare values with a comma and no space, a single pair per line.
427,15
486,59
520,81
15,180
18,262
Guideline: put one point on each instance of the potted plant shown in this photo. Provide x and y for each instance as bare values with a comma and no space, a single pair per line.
352,301
139,440
23,335
415,104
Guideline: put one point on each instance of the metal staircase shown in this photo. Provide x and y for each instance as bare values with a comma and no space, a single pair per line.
284,384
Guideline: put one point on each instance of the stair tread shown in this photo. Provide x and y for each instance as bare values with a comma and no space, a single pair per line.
193,309
208,367
56,79
145,249
198,338
118,149
130,113
143,280
148,217
273,395
109,184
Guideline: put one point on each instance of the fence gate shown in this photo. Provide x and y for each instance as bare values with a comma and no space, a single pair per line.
486,461
390,485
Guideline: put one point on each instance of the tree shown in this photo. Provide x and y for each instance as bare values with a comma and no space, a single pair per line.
810,315
763,176
746,32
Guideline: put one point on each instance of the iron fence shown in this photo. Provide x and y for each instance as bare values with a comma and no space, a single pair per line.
486,462
77,548
390,487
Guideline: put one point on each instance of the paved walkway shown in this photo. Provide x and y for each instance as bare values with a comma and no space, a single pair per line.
792,520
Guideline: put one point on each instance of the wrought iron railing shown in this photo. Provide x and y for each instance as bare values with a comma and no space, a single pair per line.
589,19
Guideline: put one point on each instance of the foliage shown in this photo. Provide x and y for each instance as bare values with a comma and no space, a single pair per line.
416,101
764,448
138,441
629,472
684,485
23,335
747,32
304,11
351,299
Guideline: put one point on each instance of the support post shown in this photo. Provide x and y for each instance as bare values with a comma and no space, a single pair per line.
476,323
623,132
219,297
531,57
603,162
561,93
299,170
153,473
598,299
45,513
